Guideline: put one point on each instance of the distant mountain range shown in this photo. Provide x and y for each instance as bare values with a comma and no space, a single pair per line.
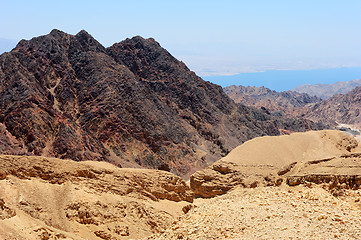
288,102
132,104
340,108
326,91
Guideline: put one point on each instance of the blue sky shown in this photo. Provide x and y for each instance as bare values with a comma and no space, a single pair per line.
211,37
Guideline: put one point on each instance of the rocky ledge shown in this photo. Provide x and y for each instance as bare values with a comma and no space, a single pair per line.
329,157
63,199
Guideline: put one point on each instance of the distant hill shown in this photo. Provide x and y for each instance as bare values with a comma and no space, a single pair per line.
341,108
326,91
288,102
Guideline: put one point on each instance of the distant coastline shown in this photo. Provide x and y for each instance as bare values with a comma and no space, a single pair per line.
283,80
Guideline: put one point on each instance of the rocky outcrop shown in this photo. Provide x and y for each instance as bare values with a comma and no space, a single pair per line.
223,176
341,172
270,161
132,104
5,211
87,200
326,91
9,144
153,184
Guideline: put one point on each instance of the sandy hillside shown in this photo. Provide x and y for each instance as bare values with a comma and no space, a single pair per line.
271,213
47,198
269,161
297,147
301,186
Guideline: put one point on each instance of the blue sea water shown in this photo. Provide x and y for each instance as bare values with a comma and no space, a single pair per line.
283,80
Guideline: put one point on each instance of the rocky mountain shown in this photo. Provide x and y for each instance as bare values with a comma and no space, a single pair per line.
289,102
341,108
132,104
326,91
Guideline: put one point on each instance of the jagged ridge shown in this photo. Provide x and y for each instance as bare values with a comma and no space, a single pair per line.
132,104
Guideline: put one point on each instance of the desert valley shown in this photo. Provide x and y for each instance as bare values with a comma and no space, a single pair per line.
126,142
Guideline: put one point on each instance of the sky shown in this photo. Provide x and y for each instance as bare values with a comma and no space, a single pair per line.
213,38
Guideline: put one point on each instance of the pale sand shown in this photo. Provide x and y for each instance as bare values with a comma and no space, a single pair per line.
298,147
63,199
119,201
271,213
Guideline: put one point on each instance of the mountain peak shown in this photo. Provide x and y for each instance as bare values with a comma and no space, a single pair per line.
88,42
59,42
145,41
83,34
56,32
148,59
133,103
43,43
289,103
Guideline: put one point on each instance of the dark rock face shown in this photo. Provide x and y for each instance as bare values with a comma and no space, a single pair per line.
132,104
9,144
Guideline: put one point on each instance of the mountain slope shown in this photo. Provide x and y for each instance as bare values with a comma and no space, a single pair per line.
288,102
132,104
341,108
326,91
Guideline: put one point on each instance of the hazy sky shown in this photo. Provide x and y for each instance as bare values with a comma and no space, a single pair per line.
211,37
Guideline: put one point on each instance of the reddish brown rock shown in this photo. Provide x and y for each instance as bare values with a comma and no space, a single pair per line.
132,104
341,108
